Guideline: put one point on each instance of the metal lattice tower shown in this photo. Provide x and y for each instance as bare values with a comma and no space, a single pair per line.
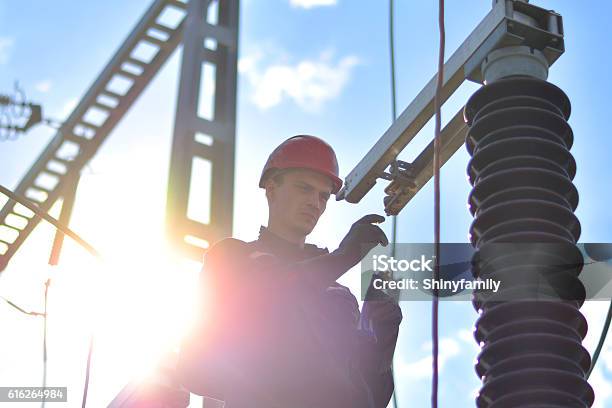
127,74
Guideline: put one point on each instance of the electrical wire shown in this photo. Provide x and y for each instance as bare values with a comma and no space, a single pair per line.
44,381
21,309
436,171
392,56
87,371
393,117
66,230
602,340
44,316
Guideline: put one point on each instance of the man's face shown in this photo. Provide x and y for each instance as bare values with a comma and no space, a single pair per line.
300,199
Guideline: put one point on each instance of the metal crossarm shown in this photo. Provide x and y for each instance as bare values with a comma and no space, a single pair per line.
500,28
203,147
119,84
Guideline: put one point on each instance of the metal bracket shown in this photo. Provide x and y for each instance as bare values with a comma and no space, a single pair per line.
420,171
524,24
401,175
507,24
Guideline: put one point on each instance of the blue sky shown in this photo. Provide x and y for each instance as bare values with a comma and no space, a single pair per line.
306,66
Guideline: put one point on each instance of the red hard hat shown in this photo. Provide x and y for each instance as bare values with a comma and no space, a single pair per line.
305,152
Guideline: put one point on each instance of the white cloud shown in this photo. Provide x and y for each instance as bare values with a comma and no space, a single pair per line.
312,3
309,83
420,369
466,335
6,46
43,86
247,64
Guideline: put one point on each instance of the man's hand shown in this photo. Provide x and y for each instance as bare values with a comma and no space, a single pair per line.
384,312
362,237
381,318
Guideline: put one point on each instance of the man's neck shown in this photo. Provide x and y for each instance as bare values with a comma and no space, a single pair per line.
286,234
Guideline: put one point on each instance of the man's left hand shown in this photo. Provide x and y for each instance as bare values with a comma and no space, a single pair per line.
383,312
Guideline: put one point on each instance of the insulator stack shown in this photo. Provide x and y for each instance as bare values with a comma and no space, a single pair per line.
525,233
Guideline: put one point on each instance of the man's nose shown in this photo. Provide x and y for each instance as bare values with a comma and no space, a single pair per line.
313,200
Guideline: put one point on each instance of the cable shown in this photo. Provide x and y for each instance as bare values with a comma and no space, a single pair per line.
26,203
87,369
394,116
44,381
392,55
21,309
438,120
44,316
602,340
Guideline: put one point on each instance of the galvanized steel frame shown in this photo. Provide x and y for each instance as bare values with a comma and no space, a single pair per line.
212,139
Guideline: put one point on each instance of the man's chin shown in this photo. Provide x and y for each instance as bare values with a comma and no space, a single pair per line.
305,228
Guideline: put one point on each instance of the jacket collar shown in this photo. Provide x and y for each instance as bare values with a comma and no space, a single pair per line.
286,249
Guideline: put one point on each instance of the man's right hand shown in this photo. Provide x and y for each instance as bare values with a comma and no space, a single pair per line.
362,237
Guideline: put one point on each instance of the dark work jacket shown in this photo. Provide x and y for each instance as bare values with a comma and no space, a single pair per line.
266,339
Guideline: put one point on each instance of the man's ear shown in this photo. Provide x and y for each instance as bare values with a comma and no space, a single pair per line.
270,187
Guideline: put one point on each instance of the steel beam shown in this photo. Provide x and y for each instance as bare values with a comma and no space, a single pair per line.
68,199
211,41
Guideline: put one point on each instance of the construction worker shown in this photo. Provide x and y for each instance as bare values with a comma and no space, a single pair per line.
276,330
